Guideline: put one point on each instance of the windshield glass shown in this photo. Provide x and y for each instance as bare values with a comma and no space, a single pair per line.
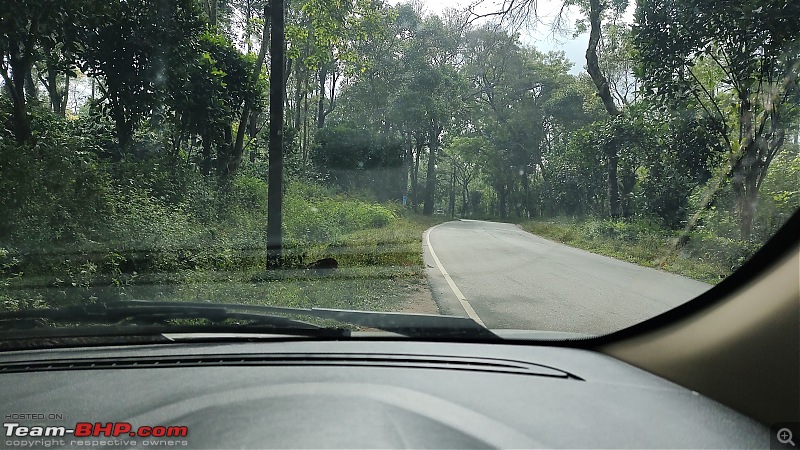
572,167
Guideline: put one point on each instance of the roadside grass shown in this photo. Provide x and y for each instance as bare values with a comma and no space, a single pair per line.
380,269
704,258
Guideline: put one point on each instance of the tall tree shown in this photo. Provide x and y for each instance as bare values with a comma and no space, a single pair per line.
520,12
136,47
250,102
27,26
754,45
438,87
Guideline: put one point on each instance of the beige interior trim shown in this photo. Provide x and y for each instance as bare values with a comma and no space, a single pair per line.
744,351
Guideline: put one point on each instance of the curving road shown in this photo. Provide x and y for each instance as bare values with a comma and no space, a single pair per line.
508,278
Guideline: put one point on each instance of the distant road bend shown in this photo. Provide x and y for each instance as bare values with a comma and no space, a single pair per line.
505,277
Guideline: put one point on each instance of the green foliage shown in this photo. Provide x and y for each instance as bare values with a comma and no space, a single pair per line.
325,219
781,189
577,174
360,160
688,153
54,190
88,228
138,47
215,83
737,63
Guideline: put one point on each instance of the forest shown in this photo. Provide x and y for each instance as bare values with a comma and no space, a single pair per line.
134,134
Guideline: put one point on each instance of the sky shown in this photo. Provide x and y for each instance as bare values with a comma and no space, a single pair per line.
540,34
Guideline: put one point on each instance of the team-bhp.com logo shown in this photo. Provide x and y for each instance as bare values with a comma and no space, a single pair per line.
97,429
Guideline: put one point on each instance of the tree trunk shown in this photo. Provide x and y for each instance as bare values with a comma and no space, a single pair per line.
298,95
304,162
123,127
415,177
205,163
612,184
252,126
238,147
252,131
224,155
502,198
287,72
604,92
592,63
628,183
430,180
31,88
452,205
745,177
212,15
277,92
15,85
22,126
65,96
747,210
526,187
323,75
408,161
51,84
465,200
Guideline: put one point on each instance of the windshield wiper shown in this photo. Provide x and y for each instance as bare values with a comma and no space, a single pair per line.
160,313
257,316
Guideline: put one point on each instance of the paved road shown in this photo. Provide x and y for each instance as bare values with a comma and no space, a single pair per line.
514,279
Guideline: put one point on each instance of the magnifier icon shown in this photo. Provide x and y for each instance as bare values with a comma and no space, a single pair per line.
785,436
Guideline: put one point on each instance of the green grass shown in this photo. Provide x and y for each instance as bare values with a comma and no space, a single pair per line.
704,258
380,268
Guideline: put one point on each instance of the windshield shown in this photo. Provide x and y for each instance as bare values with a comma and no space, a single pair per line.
573,167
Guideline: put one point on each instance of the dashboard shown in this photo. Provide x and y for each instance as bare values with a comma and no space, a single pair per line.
300,393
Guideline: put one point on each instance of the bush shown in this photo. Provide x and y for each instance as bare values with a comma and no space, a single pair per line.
324,219
630,232
52,192
709,247
358,160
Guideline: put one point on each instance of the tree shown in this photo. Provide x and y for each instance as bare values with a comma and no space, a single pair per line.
249,102
464,154
431,92
577,177
689,151
360,160
207,98
26,26
753,47
137,47
519,12
513,89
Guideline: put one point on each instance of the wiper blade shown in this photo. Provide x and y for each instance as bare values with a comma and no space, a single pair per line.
411,325
407,324
153,313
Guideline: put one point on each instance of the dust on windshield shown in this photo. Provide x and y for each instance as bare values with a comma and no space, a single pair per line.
575,167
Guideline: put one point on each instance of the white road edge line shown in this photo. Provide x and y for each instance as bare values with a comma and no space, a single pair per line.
467,307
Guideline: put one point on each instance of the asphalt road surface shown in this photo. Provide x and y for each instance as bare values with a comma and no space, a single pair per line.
505,277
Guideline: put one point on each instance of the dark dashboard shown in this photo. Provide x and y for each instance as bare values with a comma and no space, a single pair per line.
365,394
